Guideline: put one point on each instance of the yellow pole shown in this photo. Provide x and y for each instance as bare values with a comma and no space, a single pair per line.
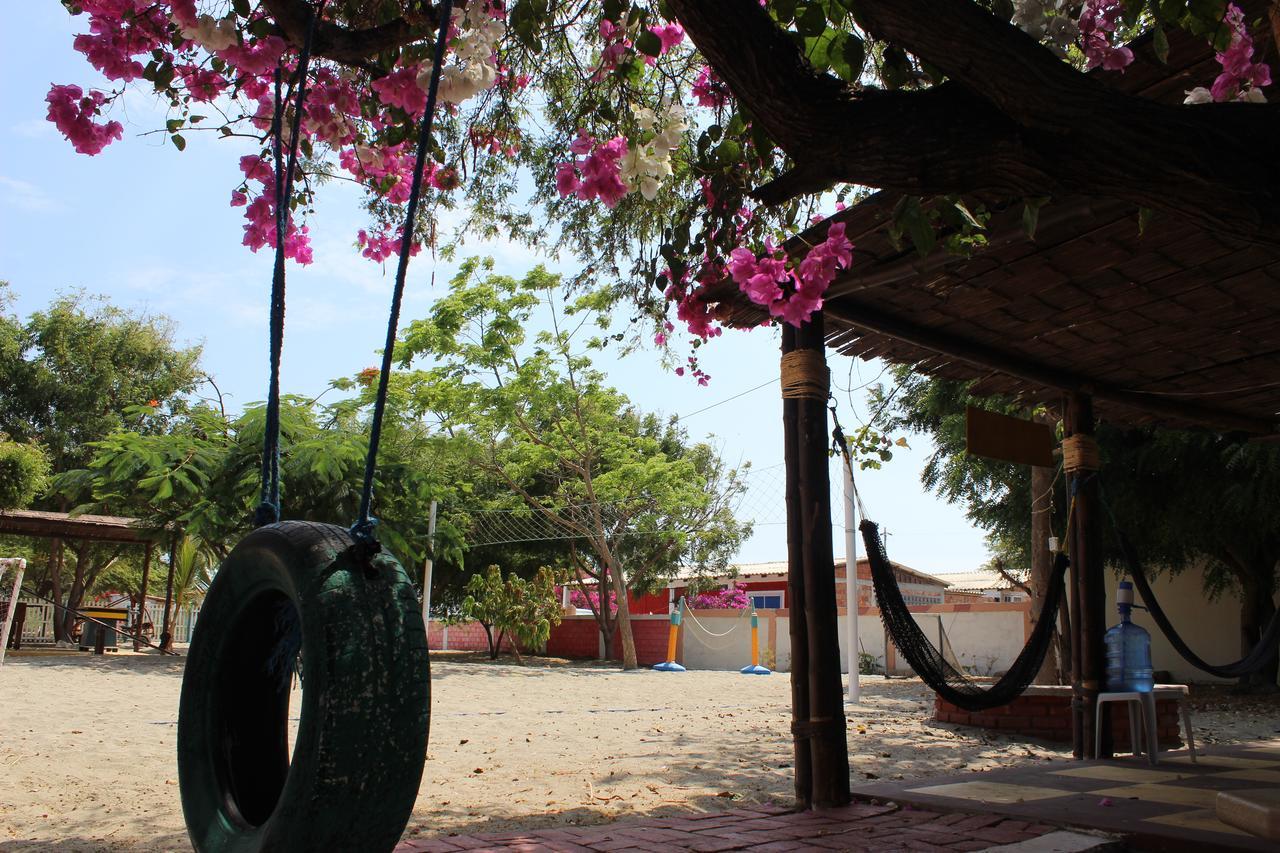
670,665
755,638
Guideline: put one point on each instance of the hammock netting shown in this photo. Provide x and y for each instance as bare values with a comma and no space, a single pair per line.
1257,658
928,661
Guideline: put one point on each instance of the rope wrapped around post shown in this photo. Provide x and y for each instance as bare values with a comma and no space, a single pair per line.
805,375
1080,452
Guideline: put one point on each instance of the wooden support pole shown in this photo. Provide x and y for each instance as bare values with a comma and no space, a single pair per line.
829,743
142,599
1089,590
166,629
796,593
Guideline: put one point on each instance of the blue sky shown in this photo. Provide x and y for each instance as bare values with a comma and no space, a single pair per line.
151,229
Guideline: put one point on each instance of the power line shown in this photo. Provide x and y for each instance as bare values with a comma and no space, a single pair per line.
727,400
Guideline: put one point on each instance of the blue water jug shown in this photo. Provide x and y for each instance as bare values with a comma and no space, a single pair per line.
1128,650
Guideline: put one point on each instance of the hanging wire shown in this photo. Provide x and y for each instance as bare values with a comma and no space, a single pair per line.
363,529
268,511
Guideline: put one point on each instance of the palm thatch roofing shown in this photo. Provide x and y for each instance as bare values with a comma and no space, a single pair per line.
1174,323
61,525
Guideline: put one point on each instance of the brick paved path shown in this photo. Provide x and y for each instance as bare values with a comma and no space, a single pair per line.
861,826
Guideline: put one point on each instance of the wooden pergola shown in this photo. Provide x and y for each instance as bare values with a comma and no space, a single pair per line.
1167,322
102,528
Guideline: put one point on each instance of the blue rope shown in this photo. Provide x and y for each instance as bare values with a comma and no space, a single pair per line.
268,511
363,529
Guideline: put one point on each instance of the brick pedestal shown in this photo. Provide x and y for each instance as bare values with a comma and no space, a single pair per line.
1044,711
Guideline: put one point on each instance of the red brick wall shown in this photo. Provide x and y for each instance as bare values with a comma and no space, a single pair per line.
578,637
463,637
1049,717
651,641
653,602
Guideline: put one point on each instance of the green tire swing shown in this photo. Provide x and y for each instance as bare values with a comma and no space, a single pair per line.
325,602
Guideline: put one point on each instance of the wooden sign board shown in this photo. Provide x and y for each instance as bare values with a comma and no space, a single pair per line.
1008,439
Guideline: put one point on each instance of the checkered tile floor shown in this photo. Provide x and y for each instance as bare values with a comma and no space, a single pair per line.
1168,806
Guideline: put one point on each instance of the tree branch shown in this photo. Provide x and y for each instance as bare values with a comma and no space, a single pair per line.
1013,122
355,48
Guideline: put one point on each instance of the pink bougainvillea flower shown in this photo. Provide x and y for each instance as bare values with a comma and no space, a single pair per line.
72,112
669,35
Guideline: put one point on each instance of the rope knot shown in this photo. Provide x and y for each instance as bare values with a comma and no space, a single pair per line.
364,532
266,513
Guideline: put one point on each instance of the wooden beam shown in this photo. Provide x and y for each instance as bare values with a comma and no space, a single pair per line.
860,316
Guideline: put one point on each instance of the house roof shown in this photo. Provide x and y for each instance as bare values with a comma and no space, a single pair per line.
779,569
1174,323
104,528
976,581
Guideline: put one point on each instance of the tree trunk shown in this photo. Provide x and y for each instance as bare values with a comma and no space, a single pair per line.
1041,559
75,595
1256,610
60,632
624,618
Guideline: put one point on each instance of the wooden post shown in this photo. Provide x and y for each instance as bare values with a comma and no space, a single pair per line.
1088,590
796,593
142,599
166,629
829,741
19,566
804,387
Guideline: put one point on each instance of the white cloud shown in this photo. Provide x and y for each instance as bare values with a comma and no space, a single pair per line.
25,196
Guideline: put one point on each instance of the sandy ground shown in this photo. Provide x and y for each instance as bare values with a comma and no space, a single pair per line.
87,746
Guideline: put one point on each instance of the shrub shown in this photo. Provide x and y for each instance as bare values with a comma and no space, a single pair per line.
24,474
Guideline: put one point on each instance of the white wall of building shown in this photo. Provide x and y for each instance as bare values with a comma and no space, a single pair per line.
1210,628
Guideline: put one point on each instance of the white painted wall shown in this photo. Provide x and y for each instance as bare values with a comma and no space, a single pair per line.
985,643
1210,628
701,650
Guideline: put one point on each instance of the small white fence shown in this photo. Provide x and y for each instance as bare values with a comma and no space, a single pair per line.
37,628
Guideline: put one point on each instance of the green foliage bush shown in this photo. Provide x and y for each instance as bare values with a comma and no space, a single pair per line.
24,474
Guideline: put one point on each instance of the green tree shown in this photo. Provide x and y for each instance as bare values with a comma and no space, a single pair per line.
1186,500
626,492
24,474
527,610
201,475
72,374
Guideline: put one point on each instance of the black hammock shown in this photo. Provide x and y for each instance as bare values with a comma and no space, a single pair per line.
1258,657
929,663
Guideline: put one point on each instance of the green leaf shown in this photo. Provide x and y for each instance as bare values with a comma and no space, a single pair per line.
1144,219
812,21
165,491
241,7
1160,44
1031,215
649,44
178,141
727,153
912,220
854,53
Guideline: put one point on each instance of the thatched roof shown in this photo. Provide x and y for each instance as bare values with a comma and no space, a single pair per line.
1178,324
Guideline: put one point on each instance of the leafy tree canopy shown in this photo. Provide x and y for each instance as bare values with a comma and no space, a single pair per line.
670,143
